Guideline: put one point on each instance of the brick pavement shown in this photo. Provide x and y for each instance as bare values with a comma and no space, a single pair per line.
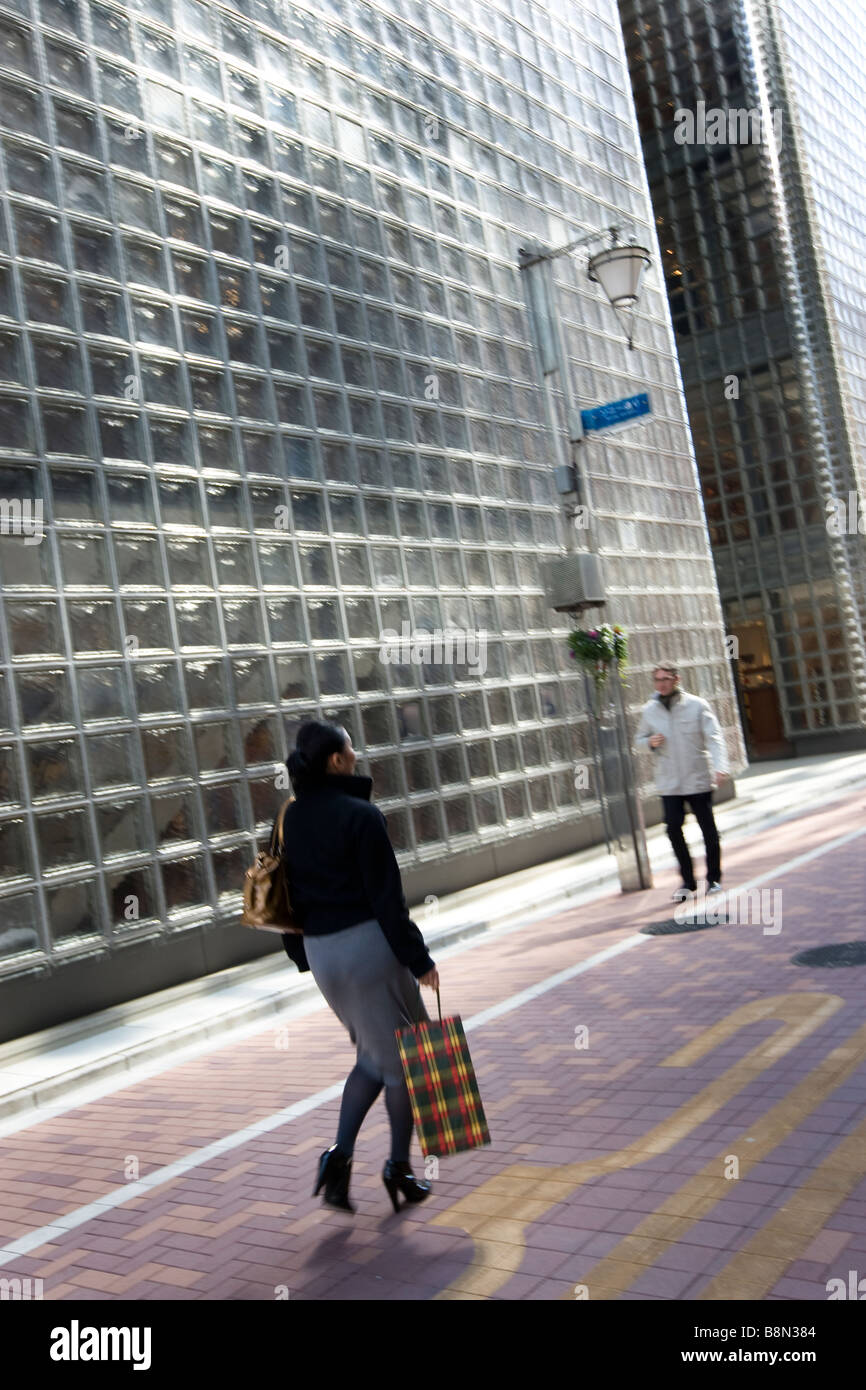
708,1052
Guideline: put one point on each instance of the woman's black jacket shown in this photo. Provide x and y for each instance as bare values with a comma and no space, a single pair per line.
342,869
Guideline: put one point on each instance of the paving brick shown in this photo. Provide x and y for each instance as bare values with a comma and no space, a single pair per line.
634,1194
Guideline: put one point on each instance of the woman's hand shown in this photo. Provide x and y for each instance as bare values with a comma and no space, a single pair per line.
431,979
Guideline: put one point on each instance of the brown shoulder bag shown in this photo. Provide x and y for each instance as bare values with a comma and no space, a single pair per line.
267,906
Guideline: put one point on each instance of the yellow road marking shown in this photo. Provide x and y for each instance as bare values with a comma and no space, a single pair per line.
526,1192
697,1196
761,1263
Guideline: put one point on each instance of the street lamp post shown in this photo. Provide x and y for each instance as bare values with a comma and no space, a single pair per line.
575,582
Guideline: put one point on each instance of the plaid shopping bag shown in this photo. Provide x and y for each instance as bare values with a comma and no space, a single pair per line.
446,1104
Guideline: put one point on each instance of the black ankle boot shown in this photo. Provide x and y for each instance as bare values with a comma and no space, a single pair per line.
335,1169
398,1177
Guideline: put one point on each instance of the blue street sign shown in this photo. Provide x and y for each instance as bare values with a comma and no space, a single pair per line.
616,413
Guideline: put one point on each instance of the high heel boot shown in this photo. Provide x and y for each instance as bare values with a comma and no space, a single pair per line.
335,1169
398,1177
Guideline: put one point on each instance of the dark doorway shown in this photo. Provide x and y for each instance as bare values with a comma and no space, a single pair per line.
755,680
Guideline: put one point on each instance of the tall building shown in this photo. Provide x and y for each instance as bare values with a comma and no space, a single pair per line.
751,120
268,394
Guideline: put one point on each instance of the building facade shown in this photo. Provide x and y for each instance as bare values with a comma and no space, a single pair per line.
268,395
750,119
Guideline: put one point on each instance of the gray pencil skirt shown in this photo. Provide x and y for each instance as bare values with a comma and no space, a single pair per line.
371,993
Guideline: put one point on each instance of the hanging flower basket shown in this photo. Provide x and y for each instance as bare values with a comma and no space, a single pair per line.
596,649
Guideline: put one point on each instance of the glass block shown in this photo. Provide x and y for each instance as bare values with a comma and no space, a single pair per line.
166,753
324,620
145,264
84,561
480,759
458,816
370,673
47,300
146,621
387,566
285,621
387,781
488,809
16,424
332,673
16,860
252,681
277,563
197,623
102,693
223,813
260,740
294,678
411,720
29,172
427,824
265,798
10,785
120,436
183,884
38,236
215,746
514,801
113,760
93,626
64,839
188,562
74,911
19,934
139,563
361,621
205,685
34,629
229,867
54,769
131,896
317,565
43,696
24,563
235,564
174,818
217,446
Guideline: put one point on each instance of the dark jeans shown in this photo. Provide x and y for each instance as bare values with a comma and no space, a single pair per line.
701,803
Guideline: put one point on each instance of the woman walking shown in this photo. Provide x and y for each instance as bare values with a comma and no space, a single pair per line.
366,955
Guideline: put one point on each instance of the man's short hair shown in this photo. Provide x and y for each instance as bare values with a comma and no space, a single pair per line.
666,666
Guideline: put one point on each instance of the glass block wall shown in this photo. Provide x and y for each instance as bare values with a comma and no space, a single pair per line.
759,245
268,392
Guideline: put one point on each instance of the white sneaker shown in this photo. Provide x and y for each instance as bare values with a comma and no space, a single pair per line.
681,895
715,888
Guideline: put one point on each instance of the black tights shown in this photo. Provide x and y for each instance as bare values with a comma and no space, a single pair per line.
359,1093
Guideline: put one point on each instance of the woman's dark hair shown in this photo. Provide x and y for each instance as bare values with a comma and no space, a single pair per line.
314,744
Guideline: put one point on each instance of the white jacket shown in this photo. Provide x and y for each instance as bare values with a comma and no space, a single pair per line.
694,747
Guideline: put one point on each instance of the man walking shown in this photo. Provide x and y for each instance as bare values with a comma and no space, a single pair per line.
690,759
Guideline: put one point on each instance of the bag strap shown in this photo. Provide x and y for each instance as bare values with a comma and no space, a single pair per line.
438,1000
277,833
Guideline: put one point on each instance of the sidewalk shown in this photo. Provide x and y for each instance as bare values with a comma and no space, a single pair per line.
49,1072
671,1117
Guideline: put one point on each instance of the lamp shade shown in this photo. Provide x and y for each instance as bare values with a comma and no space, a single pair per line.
619,271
